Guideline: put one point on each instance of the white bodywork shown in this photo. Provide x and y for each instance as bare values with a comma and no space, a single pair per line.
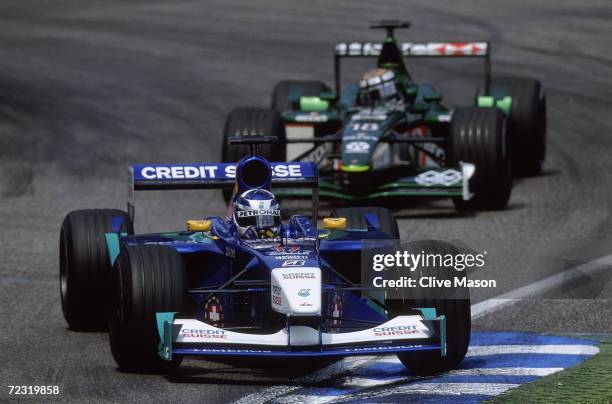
296,291
400,328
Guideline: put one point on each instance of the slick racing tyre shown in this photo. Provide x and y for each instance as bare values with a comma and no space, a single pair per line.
246,121
84,265
356,219
526,124
454,304
146,279
308,88
478,136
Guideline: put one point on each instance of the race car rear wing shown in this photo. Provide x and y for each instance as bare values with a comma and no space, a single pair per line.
151,177
415,50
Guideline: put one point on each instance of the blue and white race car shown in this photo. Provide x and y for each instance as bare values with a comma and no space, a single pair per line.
245,285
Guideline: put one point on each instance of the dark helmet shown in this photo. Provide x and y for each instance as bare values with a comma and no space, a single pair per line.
257,214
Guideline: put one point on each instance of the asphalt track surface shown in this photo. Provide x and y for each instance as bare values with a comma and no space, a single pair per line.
87,87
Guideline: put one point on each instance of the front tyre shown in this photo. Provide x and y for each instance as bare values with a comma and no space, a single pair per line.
478,136
147,279
84,265
455,305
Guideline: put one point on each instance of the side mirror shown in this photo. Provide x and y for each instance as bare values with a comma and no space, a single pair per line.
334,223
199,225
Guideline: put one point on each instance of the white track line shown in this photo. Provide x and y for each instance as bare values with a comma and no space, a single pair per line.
478,310
356,382
486,350
545,285
446,389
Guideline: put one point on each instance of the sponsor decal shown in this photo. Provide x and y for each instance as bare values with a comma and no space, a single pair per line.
289,249
294,263
360,136
336,313
299,275
357,147
213,312
414,49
394,330
304,293
376,116
277,299
364,126
258,212
198,333
306,304
311,117
179,172
210,171
290,257
431,177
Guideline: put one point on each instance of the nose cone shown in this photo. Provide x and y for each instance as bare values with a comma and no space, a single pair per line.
296,291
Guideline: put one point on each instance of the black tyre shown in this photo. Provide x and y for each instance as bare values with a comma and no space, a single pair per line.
456,309
84,265
478,136
526,124
307,88
245,121
355,218
146,279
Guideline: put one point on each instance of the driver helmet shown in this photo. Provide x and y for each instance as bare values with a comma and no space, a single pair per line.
257,215
378,86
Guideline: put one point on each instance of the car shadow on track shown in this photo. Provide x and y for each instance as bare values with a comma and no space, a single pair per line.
241,371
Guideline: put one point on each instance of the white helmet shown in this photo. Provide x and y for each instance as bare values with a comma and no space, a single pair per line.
378,85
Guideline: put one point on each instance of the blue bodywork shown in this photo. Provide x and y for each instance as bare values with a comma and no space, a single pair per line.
235,274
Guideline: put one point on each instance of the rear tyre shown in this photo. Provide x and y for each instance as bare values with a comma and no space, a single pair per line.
84,265
244,121
457,311
478,136
526,124
282,90
356,218
147,279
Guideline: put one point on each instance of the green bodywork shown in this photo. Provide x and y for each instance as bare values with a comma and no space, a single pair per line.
355,136
164,328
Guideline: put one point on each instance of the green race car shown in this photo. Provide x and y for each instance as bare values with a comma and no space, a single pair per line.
389,137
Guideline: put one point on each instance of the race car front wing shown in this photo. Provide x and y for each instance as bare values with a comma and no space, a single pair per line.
400,334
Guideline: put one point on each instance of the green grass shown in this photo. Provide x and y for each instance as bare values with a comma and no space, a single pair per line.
589,382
